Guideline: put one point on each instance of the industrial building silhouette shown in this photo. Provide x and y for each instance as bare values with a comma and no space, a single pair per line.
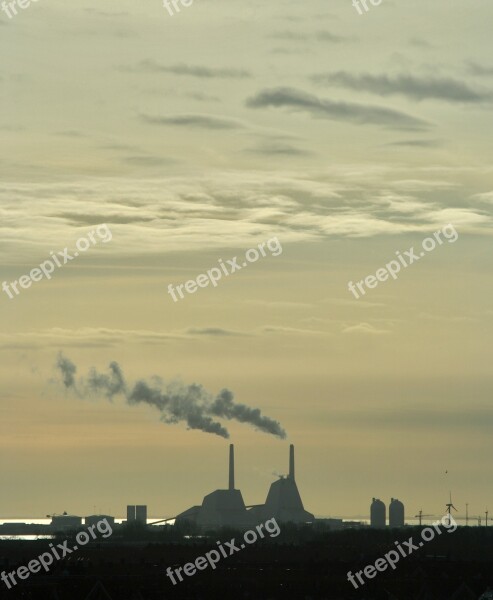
227,507
378,513
396,513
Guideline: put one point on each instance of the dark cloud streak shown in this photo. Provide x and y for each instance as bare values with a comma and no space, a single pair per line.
298,100
417,88
150,66
194,120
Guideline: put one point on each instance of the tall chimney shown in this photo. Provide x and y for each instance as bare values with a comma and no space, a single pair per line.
291,462
231,467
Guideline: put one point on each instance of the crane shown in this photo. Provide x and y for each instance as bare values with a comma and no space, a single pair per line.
420,515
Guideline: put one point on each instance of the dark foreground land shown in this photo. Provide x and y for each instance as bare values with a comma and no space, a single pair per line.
300,563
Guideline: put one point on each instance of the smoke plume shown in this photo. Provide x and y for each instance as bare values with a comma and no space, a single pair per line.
176,402
224,406
68,370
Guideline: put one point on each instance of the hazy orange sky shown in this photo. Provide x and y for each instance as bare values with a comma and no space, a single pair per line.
195,137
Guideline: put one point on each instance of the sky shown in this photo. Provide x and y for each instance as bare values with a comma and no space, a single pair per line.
181,141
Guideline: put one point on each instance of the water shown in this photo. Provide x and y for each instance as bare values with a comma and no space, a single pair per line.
45,521
473,521
361,519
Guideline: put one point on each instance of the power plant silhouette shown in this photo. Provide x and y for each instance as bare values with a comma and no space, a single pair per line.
227,507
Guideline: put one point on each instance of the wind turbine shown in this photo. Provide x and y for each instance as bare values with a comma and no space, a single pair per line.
449,506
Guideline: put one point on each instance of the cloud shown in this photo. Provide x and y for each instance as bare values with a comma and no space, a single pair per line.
106,13
72,133
277,149
84,219
420,185
195,120
484,197
365,329
290,330
447,318
85,337
416,143
420,43
327,36
280,304
151,66
146,161
363,303
298,100
219,209
477,69
214,332
417,88
420,419
298,36
201,97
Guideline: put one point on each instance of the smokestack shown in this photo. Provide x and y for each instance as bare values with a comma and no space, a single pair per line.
231,467
291,462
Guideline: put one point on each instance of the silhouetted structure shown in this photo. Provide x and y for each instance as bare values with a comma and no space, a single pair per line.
141,514
130,513
283,500
220,508
94,520
227,508
377,514
65,521
137,514
396,513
